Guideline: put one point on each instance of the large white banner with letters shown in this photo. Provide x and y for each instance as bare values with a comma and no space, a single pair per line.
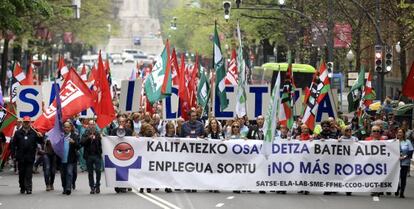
239,165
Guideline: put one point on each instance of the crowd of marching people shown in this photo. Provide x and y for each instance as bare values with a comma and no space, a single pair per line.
83,137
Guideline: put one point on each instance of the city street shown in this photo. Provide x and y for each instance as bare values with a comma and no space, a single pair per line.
108,199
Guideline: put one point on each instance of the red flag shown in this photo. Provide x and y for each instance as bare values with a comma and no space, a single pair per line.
183,91
192,84
75,96
18,73
92,75
148,107
29,77
408,87
167,76
83,74
62,68
103,106
174,68
232,74
107,67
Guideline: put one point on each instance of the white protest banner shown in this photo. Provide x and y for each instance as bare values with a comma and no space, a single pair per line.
238,165
29,101
130,97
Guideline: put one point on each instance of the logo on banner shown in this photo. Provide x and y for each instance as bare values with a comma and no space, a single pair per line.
123,153
70,93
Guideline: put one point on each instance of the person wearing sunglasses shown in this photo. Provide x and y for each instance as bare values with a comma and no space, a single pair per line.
376,134
235,131
347,135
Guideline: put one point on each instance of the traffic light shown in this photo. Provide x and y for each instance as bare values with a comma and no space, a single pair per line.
226,6
330,67
388,59
378,58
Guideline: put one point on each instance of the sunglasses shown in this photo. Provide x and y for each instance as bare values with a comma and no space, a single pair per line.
236,126
376,131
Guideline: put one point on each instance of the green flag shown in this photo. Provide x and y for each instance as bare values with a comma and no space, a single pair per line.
158,84
272,118
220,71
354,95
203,89
241,90
6,118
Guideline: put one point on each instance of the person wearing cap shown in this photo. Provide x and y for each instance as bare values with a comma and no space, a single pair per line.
25,141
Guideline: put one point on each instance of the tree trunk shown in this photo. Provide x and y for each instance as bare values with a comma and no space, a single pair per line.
358,51
4,60
403,61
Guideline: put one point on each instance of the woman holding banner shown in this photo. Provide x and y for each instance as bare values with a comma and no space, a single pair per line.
235,131
214,130
406,153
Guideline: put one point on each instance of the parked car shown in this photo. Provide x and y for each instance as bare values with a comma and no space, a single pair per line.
127,52
116,59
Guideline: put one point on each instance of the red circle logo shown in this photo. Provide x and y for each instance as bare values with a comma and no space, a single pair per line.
123,151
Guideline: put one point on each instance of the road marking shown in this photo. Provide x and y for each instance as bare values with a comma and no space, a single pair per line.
219,205
162,201
375,199
151,200
230,197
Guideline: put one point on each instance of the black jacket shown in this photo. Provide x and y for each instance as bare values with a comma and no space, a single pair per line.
254,133
25,145
89,144
73,147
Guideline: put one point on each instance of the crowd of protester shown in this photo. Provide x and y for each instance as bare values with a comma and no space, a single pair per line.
30,148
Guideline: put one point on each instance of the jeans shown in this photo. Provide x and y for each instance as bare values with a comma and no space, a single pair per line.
403,179
25,175
49,168
74,174
93,163
66,175
82,161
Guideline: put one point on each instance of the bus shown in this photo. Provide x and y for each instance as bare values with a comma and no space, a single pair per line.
265,74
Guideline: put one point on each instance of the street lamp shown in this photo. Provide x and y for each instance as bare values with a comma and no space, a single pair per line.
282,3
350,57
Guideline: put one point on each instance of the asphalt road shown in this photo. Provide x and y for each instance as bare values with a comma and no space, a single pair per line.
121,72
108,199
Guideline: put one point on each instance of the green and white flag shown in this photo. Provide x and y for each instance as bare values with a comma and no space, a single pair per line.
158,84
271,119
354,95
241,87
203,89
220,85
